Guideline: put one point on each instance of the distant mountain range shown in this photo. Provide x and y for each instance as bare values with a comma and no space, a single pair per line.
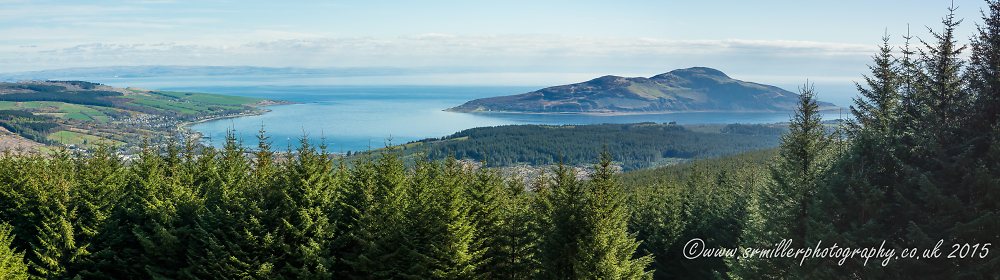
697,89
146,71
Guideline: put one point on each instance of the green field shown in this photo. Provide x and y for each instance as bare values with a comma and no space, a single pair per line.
70,137
8,105
190,103
31,104
210,98
78,116
100,113
164,105
63,110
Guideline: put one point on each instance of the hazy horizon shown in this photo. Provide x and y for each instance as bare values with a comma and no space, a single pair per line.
772,38
516,43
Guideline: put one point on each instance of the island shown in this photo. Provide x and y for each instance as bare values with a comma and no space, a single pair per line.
697,89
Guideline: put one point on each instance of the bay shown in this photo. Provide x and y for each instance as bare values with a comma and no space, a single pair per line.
356,118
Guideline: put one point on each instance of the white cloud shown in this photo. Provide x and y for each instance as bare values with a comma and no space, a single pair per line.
307,50
429,36
126,25
153,2
58,12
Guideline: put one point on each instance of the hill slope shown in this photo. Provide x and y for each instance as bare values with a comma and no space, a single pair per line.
633,146
697,89
83,114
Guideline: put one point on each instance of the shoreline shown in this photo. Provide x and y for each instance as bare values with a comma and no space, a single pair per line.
609,114
197,135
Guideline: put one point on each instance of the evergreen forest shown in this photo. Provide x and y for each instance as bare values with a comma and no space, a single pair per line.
633,146
918,164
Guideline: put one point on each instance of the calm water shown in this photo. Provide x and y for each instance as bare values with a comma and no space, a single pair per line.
354,118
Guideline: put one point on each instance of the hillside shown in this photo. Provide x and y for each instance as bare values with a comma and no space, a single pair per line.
697,89
634,146
82,114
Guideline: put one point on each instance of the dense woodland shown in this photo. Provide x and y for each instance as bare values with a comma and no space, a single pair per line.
28,125
41,92
919,163
634,146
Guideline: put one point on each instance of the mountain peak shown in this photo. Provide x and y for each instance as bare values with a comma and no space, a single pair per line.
695,71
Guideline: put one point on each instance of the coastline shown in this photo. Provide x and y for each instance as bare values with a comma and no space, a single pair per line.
827,110
184,126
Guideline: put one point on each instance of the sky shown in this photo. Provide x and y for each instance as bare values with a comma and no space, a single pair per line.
777,42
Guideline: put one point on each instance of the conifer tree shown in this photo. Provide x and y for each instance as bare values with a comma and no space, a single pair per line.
609,254
717,198
855,201
931,198
658,220
375,208
983,182
56,247
12,265
782,209
101,180
305,210
500,209
562,226
452,232
236,236
23,190
487,197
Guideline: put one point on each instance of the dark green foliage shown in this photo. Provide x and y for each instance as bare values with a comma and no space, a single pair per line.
784,207
917,164
612,246
97,98
27,125
706,199
12,265
583,227
20,115
81,84
636,146
753,129
505,226
680,172
35,87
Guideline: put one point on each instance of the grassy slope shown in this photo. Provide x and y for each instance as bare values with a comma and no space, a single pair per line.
161,101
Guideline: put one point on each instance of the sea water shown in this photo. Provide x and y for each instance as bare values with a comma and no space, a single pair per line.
356,118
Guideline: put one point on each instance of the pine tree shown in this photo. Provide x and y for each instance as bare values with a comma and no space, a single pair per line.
855,203
487,197
101,179
452,233
12,265
56,247
375,205
610,249
305,210
931,199
659,222
504,232
238,234
561,205
782,209
512,255
982,181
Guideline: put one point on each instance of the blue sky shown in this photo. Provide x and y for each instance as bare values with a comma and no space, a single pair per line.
778,42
